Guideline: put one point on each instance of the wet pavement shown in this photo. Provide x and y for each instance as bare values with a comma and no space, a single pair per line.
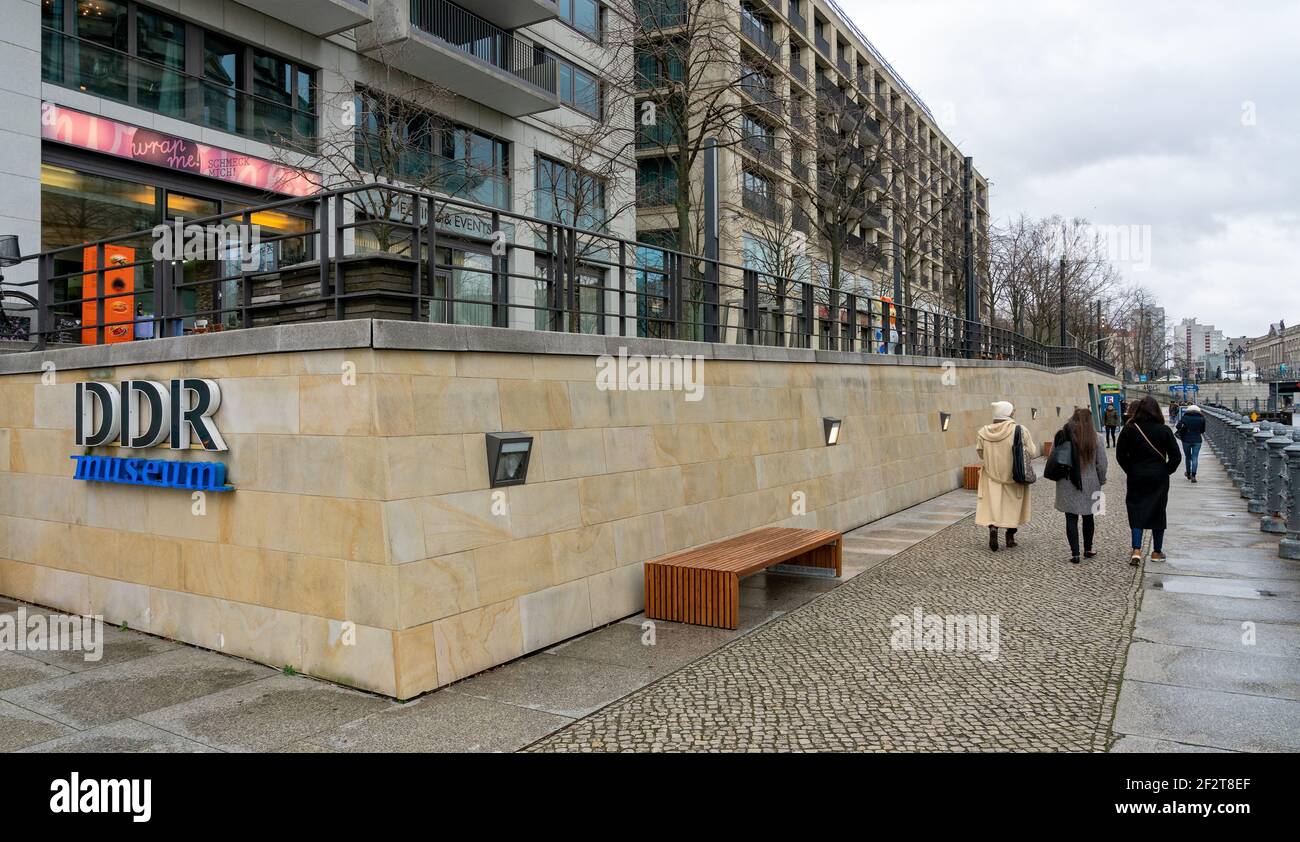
813,666
1215,659
152,695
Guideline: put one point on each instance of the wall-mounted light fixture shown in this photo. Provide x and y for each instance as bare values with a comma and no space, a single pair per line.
507,456
9,253
832,428
945,418
1033,414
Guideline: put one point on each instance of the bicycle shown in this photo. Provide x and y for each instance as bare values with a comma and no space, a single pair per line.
16,322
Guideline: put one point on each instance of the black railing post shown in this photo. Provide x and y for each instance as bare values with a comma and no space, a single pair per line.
100,278
851,320
500,278
245,279
808,316
622,288
44,317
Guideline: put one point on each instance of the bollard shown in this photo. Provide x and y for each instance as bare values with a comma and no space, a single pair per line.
1274,521
1289,547
1245,452
1259,472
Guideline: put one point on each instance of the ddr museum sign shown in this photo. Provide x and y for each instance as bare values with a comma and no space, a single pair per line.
145,413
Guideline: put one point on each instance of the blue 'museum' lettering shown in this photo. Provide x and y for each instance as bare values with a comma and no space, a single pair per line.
193,476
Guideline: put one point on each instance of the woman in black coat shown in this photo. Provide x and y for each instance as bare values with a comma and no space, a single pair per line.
1148,453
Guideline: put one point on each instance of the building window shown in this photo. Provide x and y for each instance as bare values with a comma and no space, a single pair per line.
582,15
660,64
400,141
580,90
656,182
134,54
568,195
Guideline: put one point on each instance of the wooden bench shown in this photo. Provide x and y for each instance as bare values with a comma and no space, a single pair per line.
702,585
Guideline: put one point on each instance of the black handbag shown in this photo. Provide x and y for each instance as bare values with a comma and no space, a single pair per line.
1022,471
1060,462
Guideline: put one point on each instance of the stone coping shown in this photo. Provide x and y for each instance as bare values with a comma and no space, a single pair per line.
383,334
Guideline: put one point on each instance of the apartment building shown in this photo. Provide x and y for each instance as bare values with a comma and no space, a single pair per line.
1195,344
810,99
123,114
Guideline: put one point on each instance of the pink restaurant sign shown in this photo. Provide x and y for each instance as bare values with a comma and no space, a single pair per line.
135,143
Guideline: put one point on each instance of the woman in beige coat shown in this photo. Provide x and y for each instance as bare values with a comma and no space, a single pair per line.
1003,503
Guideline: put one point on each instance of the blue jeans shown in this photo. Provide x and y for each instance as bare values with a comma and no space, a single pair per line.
1157,539
1192,453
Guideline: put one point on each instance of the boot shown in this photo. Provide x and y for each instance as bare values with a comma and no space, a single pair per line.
1011,538
993,538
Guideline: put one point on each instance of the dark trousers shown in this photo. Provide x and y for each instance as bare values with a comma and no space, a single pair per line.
1072,532
1110,436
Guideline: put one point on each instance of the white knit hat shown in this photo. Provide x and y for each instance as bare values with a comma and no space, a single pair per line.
1002,410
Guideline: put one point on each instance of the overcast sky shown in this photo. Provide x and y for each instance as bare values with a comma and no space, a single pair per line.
1182,116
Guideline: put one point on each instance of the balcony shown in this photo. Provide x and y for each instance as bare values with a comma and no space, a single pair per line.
472,57
800,73
763,150
760,38
656,194
762,205
797,21
762,93
823,46
319,17
802,221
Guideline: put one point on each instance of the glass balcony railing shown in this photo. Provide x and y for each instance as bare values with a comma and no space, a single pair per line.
760,37
484,42
655,194
81,65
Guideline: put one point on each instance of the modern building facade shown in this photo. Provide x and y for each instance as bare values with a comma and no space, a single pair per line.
123,114
810,108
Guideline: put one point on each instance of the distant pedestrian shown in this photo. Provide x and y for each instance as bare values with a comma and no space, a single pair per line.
1191,430
1004,501
1078,465
1148,453
1110,418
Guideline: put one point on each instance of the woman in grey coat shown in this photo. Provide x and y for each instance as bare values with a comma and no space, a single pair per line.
1079,495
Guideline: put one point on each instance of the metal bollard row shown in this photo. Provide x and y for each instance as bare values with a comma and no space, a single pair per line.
1263,460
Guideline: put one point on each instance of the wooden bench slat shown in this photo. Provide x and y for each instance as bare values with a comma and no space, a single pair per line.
702,585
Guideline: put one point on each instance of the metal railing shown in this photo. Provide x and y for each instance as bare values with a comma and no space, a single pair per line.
382,251
797,21
477,38
760,37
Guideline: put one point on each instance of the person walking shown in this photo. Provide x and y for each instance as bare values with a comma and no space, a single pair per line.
1111,420
1191,431
1148,453
1078,487
1003,503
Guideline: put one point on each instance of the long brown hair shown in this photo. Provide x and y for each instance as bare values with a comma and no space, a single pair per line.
1084,436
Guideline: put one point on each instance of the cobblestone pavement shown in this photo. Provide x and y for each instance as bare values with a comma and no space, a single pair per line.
825,678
